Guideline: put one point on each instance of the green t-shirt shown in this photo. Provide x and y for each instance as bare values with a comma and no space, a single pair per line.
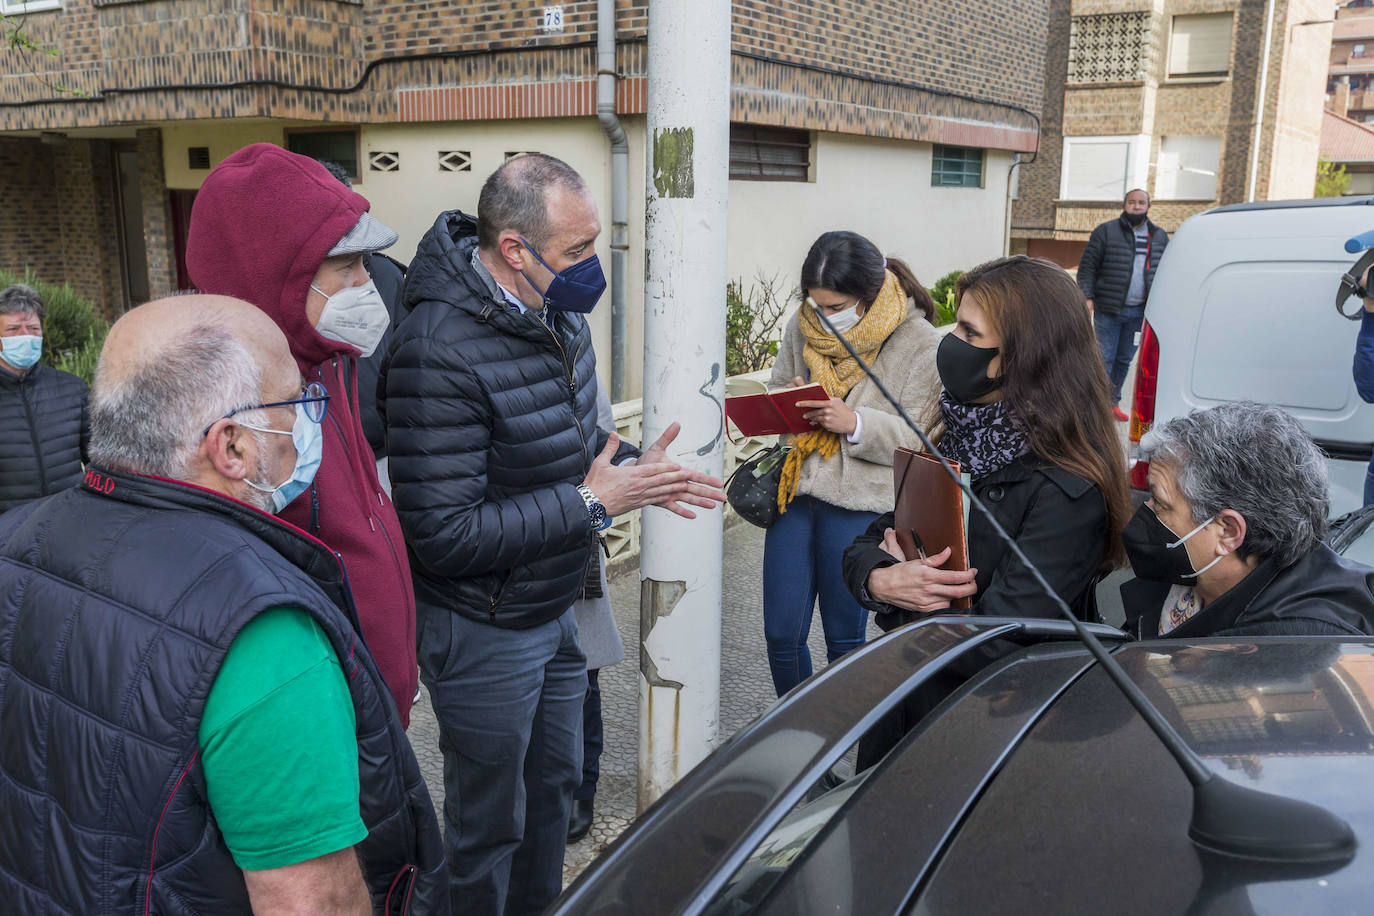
278,745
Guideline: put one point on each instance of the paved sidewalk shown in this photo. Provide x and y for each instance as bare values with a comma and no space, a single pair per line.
746,690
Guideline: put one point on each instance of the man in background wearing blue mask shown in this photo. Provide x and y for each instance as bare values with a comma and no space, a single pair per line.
198,719
276,229
43,427
502,482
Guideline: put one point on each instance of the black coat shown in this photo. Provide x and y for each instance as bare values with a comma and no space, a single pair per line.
1059,520
1320,594
1104,271
44,431
389,275
491,425
126,594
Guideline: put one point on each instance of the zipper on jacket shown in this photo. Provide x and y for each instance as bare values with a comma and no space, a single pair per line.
496,598
24,385
571,369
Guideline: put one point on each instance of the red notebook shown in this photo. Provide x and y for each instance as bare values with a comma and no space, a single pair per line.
929,511
773,412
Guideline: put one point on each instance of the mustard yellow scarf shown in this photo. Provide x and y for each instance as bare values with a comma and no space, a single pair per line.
835,370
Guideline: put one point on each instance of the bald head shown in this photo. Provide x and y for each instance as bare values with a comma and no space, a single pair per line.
146,335
174,366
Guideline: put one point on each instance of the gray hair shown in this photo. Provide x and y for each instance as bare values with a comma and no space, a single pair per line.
515,196
1255,459
150,419
23,299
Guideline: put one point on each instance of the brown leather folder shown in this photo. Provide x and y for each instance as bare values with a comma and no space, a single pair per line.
929,511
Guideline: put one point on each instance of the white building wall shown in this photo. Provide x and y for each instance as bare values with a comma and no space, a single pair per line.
878,188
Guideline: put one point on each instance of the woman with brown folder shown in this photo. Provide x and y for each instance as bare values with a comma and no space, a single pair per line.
1027,412
837,478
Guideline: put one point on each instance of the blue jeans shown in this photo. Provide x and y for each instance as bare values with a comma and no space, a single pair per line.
801,560
1116,339
509,705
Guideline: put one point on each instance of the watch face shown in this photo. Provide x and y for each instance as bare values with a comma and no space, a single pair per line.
598,513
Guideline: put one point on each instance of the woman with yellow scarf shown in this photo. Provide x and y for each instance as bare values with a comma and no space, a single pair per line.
838,478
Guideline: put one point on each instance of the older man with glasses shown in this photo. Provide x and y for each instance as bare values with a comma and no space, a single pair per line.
191,722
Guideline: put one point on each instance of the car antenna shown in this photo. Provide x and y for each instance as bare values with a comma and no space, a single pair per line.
1228,819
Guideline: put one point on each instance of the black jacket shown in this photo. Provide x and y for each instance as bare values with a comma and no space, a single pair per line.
1059,520
1320,594
1104,271
389,275
43,433
491,425
126,593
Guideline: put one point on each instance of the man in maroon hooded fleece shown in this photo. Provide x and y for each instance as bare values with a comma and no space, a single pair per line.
276,229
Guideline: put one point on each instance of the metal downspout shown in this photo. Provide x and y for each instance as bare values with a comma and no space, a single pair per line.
620,189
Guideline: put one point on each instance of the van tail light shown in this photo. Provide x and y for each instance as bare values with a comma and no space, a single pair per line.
1143,400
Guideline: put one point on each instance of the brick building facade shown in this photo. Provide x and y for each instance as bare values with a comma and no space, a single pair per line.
436,92
1350,77
1163,95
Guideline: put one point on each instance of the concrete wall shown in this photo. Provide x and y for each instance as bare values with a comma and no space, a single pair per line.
880,189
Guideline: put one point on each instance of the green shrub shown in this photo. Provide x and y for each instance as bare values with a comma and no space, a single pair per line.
750,320
943,294
72,331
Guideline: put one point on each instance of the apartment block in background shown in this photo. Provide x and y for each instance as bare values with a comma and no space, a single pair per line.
1165,95
1350,78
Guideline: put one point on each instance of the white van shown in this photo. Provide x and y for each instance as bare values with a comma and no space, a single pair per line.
1243,308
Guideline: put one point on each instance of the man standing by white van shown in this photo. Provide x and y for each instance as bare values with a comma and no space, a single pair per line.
1115,274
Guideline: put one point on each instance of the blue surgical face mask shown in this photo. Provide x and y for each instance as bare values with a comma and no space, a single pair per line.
576,289
22,350
309,441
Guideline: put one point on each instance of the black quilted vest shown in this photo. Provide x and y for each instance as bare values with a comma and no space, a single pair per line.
42,433
118,600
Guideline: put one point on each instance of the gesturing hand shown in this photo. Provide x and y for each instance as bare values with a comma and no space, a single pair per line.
919,585
653,480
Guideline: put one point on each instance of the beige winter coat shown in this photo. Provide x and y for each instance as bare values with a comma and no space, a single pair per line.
859,476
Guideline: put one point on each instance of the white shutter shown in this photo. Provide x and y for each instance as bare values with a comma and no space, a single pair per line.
1095,169
1187,167
1200,45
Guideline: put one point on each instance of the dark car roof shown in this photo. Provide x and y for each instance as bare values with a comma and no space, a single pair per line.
1034,788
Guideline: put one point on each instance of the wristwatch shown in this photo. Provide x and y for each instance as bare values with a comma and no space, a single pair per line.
600,520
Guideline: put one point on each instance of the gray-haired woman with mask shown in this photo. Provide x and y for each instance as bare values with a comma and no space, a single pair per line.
1231,540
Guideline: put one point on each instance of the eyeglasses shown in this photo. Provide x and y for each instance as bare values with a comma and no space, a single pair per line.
314,400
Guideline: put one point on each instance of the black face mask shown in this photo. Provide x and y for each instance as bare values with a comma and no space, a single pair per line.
1135,219
963,369
1157,553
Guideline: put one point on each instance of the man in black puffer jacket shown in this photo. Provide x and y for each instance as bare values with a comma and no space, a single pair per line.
1115,274
43,426
190,722
501,480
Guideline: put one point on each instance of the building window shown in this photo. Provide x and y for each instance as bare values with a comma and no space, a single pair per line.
1358,51
769,153
1187,167
1200,45
1103,168
330,144
956,167
28,6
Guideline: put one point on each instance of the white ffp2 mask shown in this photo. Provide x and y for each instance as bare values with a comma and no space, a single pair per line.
354,315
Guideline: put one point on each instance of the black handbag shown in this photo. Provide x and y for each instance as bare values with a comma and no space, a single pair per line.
752,489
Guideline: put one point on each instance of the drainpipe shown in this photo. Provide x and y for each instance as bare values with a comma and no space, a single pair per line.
1259,102
1011,184
620,188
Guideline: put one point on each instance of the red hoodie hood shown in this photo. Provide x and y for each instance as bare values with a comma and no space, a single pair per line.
262,224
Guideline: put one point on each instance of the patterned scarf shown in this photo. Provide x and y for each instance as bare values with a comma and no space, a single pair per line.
835,370
983,438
